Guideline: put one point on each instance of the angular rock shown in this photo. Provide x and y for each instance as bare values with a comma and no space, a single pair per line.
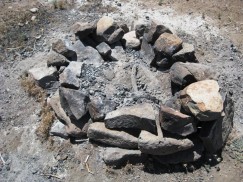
176,122
58,129
55,59
141,117
183,74
104,49
118,157
82,30
98,132
124,27
167,44
130,41
214,134
140,27
117,52
64,48
105,27
174,102
78,129
147,51
44,76
203,100
153,32
98,108
74,102
90,55
152,144
70,76
116,36
186,54
190,155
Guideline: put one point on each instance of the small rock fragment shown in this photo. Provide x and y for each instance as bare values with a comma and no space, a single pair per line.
130,41
104,49
63,47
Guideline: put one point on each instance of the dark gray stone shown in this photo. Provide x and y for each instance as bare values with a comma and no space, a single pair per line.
90,55
55,59
116,36
186,54
147,51
141,117
104,49
98,132
74,102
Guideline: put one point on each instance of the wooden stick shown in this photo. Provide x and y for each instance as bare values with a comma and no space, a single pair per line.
87,165
2,159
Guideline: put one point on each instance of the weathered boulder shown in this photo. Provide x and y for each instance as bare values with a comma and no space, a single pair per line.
140,116
71,74
117,157
64,48
89,55
183,74
203,100
167,44
98,108
106,26
116,36
104,49
155,145
98,132
74,102
153,32
82,30
176,122
130,40
186,156
186,54
55,59
44,76
214,134
58,129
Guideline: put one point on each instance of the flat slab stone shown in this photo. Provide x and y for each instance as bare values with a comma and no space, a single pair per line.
203,100
98,132
117,157
141,116
152,144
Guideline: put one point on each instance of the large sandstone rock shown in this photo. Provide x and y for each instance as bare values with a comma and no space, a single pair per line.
153,32
186,54
167,44
64,48
176,122
155,145
98,132
71,75
190,155
74,102
117,157
183,74
203,100
98,108
141,117
130,40
82,30
214,134
44,76
55,59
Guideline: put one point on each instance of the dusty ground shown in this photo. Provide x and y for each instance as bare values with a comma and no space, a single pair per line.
214,27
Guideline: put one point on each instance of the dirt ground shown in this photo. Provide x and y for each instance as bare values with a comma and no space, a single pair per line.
215,27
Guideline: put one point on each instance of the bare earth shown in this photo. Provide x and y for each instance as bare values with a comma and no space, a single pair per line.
215,28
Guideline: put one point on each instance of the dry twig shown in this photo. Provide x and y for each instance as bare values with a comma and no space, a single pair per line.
87,165
2,159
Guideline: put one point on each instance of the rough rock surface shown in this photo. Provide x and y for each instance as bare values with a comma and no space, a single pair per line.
183,74
74,102
155,145
58,129
98,108
71,74
116,36
98,132
147,51
104,49
130,40
203,100
140,116
140,27
117,157
83,29
167,44
44,76
117,52
176,122
55,59
64,48
214,134
186,54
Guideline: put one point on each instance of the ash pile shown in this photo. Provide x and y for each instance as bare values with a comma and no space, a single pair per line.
137,92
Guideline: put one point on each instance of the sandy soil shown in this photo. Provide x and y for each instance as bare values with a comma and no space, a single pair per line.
214,27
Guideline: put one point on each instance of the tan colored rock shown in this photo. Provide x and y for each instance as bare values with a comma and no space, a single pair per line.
130,40
203,100
168,44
